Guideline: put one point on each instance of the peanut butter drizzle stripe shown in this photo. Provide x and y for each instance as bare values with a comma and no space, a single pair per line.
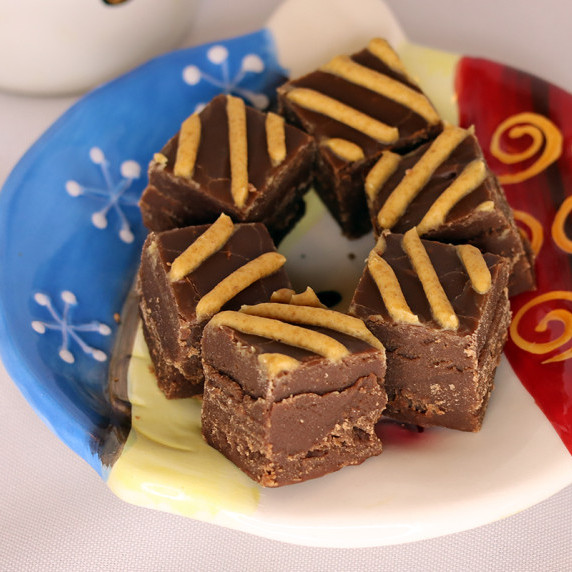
277,363
275,138
160,159
380,173
469,179
380,245
289,334
418,176
476,267
312,316
390,290
320,103
236,282
289,296
211,241
345,149
346,68
441,308
238,146
189,141
385,53
486,207
282,296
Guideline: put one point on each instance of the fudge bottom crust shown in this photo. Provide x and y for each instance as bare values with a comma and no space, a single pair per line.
342,193
270,444
164,207
422,408
174,381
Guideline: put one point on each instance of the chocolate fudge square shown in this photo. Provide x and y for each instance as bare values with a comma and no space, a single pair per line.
442,313
292,392
446,190
234,159
187,275
357,106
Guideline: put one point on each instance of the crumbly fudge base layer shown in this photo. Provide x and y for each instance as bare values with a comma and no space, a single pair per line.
522,277
178,370
343,195
173,382
295,439
437,388
163,212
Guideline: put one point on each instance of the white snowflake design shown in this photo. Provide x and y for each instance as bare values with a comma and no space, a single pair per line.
218,55
113,193
68,330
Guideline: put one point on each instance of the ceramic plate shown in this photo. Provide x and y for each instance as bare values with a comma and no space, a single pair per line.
70,238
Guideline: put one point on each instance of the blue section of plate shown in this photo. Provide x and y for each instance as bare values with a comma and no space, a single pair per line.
71,232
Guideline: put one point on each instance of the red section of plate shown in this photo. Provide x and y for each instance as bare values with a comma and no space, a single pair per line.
537,187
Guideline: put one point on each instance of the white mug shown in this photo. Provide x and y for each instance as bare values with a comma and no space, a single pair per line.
54,47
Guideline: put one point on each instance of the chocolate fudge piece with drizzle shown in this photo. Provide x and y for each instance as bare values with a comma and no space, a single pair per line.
357,106
189,274
442,313
234,159
292,392
446,190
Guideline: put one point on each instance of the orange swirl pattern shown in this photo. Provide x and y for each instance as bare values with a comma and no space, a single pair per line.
487,94
558,233
546,139
560,315
535,230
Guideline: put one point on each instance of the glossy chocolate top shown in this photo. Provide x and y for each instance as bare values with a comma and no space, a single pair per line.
246,243
212,169
467,151
236,354
411,126
467,304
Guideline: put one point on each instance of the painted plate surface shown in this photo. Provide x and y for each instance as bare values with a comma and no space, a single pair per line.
70,238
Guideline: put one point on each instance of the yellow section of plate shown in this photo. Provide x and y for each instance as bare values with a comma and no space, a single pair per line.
165,463
434,70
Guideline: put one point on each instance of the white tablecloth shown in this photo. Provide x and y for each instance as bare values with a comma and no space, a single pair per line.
56,513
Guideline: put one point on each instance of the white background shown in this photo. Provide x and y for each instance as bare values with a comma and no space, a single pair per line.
56,513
